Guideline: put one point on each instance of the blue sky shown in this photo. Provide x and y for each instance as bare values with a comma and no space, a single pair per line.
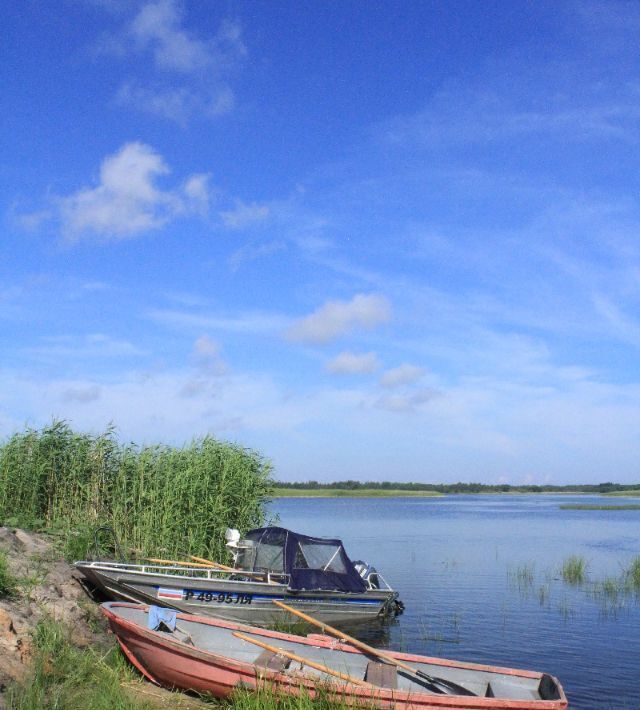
382,241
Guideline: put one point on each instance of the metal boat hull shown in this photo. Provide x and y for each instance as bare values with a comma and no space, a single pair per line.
237,600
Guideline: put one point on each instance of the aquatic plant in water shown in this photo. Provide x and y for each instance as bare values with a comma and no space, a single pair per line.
632,574
574,570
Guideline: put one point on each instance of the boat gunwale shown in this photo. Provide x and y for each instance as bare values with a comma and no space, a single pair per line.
320,640
205,575
380,595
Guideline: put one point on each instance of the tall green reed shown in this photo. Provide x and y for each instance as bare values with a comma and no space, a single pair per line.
159,500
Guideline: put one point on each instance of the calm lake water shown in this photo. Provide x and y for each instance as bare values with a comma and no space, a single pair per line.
480,578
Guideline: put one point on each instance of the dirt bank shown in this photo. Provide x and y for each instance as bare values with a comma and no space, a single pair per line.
45,586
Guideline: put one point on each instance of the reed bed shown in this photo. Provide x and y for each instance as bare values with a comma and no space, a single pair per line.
159,500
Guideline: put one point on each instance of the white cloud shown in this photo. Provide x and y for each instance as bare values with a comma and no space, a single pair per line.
337,318
348,363
244,215
405,374
127,200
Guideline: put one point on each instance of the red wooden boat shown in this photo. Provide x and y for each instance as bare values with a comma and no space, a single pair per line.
213,656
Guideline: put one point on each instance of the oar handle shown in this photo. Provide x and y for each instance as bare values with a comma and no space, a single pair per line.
304,661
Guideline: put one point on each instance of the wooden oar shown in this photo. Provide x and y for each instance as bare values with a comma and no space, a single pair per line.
305,661
176,562
219,565
440,685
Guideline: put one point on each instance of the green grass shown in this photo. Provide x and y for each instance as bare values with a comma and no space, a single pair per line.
63,676
160,500
347,493
598,506
8,583
266,699
574,570
631,493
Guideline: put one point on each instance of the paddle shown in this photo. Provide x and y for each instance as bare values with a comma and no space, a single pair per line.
304,661
439,685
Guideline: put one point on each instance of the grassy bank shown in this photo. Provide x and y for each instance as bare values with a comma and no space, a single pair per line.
631,493
158,500
345,493
65,676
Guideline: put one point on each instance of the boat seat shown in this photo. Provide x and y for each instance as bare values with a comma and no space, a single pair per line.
383,675
272,661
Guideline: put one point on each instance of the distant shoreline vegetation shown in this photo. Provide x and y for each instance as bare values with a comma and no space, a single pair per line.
376,489
281,492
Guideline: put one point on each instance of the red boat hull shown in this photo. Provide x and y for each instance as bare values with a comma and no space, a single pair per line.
174,664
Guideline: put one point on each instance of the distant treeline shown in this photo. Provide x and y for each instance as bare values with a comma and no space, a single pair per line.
460,487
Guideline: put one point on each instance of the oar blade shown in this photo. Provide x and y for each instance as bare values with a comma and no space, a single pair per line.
448,686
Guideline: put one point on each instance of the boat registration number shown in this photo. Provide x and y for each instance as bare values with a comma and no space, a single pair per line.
219,597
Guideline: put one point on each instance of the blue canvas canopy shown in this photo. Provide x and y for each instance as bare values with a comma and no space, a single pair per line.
310,562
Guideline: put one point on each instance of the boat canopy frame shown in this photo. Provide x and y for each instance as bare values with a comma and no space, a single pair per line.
309,562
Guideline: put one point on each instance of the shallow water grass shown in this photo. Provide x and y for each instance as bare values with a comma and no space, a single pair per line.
159,500
574,570
632,574
522,577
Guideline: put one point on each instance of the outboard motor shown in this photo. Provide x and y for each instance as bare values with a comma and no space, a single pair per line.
368,573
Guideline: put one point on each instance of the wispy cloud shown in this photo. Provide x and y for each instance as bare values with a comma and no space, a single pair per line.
404,374
244,215
406,403
82,394
127,200
349,363
337,318
93,346
251,252
206,352
250,322
187,72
